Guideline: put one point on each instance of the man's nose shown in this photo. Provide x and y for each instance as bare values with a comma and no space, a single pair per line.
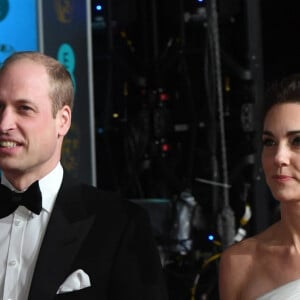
7,120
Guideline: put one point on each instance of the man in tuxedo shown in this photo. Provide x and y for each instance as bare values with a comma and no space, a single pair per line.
60,238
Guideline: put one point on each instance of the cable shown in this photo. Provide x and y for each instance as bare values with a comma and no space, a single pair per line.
226,219
205,264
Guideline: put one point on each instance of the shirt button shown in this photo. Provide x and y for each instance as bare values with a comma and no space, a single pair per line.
17,222
12,263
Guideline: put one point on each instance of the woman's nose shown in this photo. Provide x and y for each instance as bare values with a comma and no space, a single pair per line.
282,155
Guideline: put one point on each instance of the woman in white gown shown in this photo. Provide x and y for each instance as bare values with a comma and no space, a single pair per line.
267,266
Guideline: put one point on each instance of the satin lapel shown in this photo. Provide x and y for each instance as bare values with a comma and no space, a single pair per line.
68,225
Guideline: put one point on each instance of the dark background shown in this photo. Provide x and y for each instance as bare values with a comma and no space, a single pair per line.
178,93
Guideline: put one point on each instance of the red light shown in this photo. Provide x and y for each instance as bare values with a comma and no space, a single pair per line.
165,147
164,97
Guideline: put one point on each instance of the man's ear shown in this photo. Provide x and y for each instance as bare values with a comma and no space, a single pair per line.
64,117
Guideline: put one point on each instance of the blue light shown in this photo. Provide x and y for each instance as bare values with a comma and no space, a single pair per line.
100,130
211,237
98,7
200,1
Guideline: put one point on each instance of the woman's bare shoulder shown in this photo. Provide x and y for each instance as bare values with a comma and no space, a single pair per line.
249,247
240,253
242,261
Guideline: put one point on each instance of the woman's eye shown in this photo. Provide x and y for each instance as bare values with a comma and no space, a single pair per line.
268,142
296,141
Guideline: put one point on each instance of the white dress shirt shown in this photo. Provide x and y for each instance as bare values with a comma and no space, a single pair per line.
21,235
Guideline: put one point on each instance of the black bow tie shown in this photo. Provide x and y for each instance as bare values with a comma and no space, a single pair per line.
9,200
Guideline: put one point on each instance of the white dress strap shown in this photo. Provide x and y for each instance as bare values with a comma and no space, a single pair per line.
288,291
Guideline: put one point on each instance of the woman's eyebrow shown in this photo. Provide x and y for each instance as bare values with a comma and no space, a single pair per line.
291,132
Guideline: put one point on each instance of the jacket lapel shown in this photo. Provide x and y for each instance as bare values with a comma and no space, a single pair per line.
68,226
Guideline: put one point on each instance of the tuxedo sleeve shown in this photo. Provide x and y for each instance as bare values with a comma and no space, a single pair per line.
137,272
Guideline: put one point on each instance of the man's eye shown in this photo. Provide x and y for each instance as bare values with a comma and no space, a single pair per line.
25,107
268,142
296,141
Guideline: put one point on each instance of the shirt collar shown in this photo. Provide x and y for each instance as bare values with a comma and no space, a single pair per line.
50,185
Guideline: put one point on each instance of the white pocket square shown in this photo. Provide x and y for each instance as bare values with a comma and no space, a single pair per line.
78,280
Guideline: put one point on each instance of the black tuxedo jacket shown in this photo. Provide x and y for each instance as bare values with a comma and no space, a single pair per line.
107,237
